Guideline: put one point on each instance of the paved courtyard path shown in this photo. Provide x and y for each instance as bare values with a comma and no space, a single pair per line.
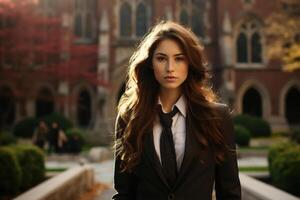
104,174
104,170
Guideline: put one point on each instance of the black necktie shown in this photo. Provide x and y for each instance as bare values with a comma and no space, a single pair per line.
167,149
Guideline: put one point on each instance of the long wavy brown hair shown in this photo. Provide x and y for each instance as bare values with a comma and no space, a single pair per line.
137,106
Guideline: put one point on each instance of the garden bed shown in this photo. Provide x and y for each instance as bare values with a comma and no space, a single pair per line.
269,181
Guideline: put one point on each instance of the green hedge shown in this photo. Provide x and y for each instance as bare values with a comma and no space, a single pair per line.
21,167
57,117
10,172
76,140
284,165
242,135
31,160
71,133
296,135
25,128
280,134
7,139
257,126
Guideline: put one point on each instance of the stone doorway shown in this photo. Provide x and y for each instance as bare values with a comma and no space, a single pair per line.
252,103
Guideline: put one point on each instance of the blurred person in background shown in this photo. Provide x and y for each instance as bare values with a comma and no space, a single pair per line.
57,138
40,135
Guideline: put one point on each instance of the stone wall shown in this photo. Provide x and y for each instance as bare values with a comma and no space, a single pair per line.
253,189
68,185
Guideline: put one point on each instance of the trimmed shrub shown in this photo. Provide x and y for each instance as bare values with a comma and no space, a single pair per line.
274,151
25,128
75,140
257,126
76,133
7,139
296,135
31,160
280,134
284,165
63,122
10,172
242,135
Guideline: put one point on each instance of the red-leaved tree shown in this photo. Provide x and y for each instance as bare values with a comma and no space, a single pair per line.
36,47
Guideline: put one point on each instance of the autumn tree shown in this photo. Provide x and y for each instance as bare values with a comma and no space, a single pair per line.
36,47
282,29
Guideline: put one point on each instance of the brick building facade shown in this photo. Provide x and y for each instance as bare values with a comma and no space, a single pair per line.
231,30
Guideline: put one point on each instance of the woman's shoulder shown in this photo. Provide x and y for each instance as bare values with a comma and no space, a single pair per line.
221,107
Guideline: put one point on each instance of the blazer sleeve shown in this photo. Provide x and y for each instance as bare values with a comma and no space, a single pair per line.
124,182
227,183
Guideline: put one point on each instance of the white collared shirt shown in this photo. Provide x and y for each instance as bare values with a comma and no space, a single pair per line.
178,131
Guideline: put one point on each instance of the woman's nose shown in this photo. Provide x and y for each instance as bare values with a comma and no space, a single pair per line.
170,66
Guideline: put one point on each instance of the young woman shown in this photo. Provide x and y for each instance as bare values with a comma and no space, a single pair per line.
40,134
173,141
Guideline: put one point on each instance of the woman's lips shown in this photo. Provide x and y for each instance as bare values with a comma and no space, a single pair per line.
170,78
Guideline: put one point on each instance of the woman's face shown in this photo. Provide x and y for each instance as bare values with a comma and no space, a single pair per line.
43,124
170,65
54,125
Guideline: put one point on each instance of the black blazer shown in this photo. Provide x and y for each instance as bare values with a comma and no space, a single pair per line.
197,175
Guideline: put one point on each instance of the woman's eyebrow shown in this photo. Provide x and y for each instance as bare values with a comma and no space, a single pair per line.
179,54
163,54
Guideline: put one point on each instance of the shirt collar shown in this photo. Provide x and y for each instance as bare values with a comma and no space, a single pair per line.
180,104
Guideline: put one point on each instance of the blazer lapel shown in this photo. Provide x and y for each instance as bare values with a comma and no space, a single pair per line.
153,158
192,149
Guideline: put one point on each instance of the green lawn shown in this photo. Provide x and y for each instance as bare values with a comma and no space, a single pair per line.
259,148
58,169
254,169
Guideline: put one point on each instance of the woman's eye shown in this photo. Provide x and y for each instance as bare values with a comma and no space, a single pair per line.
160,58
179,59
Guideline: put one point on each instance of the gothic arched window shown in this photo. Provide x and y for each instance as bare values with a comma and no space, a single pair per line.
242,52
184,18
197,22
141,20
125,20
256,48
88,26
249,46
78,25
84,110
